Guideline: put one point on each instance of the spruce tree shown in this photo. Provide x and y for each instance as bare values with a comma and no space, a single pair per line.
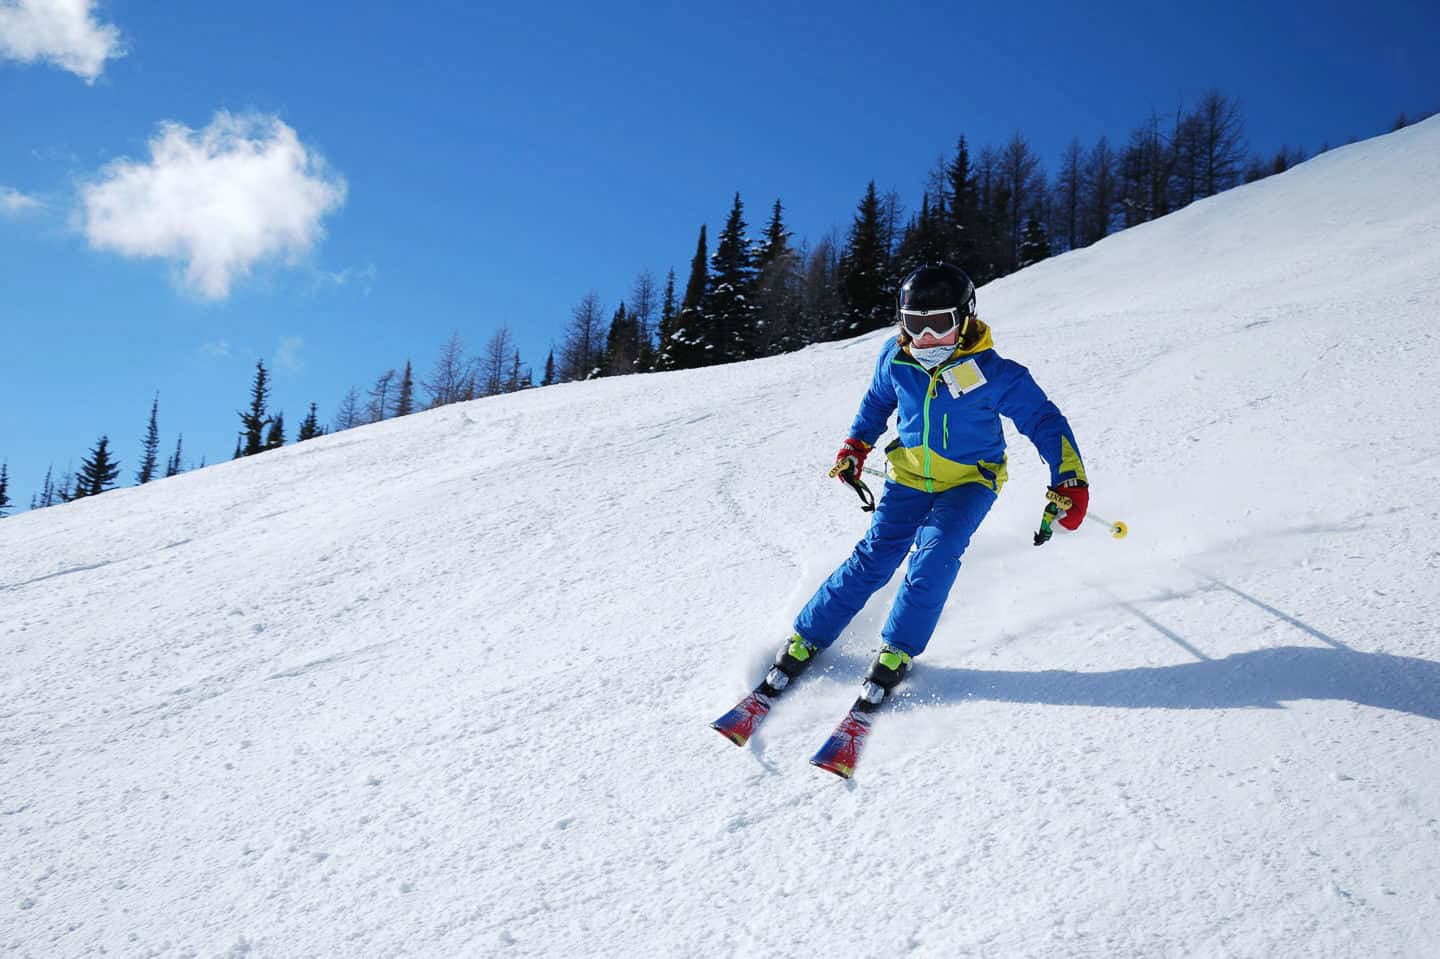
173,467
47,492
730,292
665,333
549,378
924,240
620,344
151,447
275,438
254,421
98,471
1035,245
685,346
310,425
404,401
4,488
866,285
777,294
962,226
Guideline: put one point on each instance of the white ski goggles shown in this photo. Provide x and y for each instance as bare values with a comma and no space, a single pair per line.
938,323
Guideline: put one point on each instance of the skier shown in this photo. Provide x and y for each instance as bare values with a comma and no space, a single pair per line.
950,387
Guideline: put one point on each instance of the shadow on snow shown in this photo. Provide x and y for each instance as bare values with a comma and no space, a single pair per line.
1264,678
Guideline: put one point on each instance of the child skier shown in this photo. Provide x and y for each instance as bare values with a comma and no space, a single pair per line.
950,387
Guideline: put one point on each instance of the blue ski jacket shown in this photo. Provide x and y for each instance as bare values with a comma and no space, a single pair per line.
949,419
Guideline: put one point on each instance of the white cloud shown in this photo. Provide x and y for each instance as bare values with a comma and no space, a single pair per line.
287,354
214,202
216,348
64,32
13,202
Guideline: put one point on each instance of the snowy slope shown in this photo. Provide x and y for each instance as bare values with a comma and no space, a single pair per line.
441,686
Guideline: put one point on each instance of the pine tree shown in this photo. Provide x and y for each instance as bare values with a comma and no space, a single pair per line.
620,344
173,467
821,307
962,231
665,332
4,487
254,421
98,471
866,285
47,491
276,437
404,400
310,426
151,447
923,241
549,377
683,347
730,292
777,293
1035,245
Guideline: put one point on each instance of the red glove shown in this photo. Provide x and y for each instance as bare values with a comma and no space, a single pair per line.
854,451
1079,497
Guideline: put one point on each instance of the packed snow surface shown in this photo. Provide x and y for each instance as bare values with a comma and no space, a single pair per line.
441,686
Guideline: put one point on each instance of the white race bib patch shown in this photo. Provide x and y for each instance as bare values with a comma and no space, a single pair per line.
962,379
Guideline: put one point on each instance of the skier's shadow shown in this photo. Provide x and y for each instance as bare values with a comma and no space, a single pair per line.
1258,679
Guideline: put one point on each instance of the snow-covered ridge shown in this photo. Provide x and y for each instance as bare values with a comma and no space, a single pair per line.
440,686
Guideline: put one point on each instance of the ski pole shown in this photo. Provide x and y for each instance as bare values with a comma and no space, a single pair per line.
846,471
1056,503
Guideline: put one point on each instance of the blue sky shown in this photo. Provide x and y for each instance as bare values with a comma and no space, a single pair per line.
455,166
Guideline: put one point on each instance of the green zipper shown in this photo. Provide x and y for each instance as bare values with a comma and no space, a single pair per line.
930,394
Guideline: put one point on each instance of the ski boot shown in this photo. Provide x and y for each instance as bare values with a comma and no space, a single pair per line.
886,671
792,660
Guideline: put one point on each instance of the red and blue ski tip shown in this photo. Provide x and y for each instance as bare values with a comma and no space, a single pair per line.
738,725
841,751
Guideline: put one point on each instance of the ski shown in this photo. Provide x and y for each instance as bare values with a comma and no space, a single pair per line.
841,752
738,725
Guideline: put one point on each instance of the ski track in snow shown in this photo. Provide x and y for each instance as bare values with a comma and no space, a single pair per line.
441,686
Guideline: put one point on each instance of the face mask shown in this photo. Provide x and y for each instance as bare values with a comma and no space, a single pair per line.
933,356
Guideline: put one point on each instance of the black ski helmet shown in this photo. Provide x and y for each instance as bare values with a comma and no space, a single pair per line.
938,286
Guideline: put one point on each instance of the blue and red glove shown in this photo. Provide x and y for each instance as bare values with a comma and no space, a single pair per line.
1079,497
853,452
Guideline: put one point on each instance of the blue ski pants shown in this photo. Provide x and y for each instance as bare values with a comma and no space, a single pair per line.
939,526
